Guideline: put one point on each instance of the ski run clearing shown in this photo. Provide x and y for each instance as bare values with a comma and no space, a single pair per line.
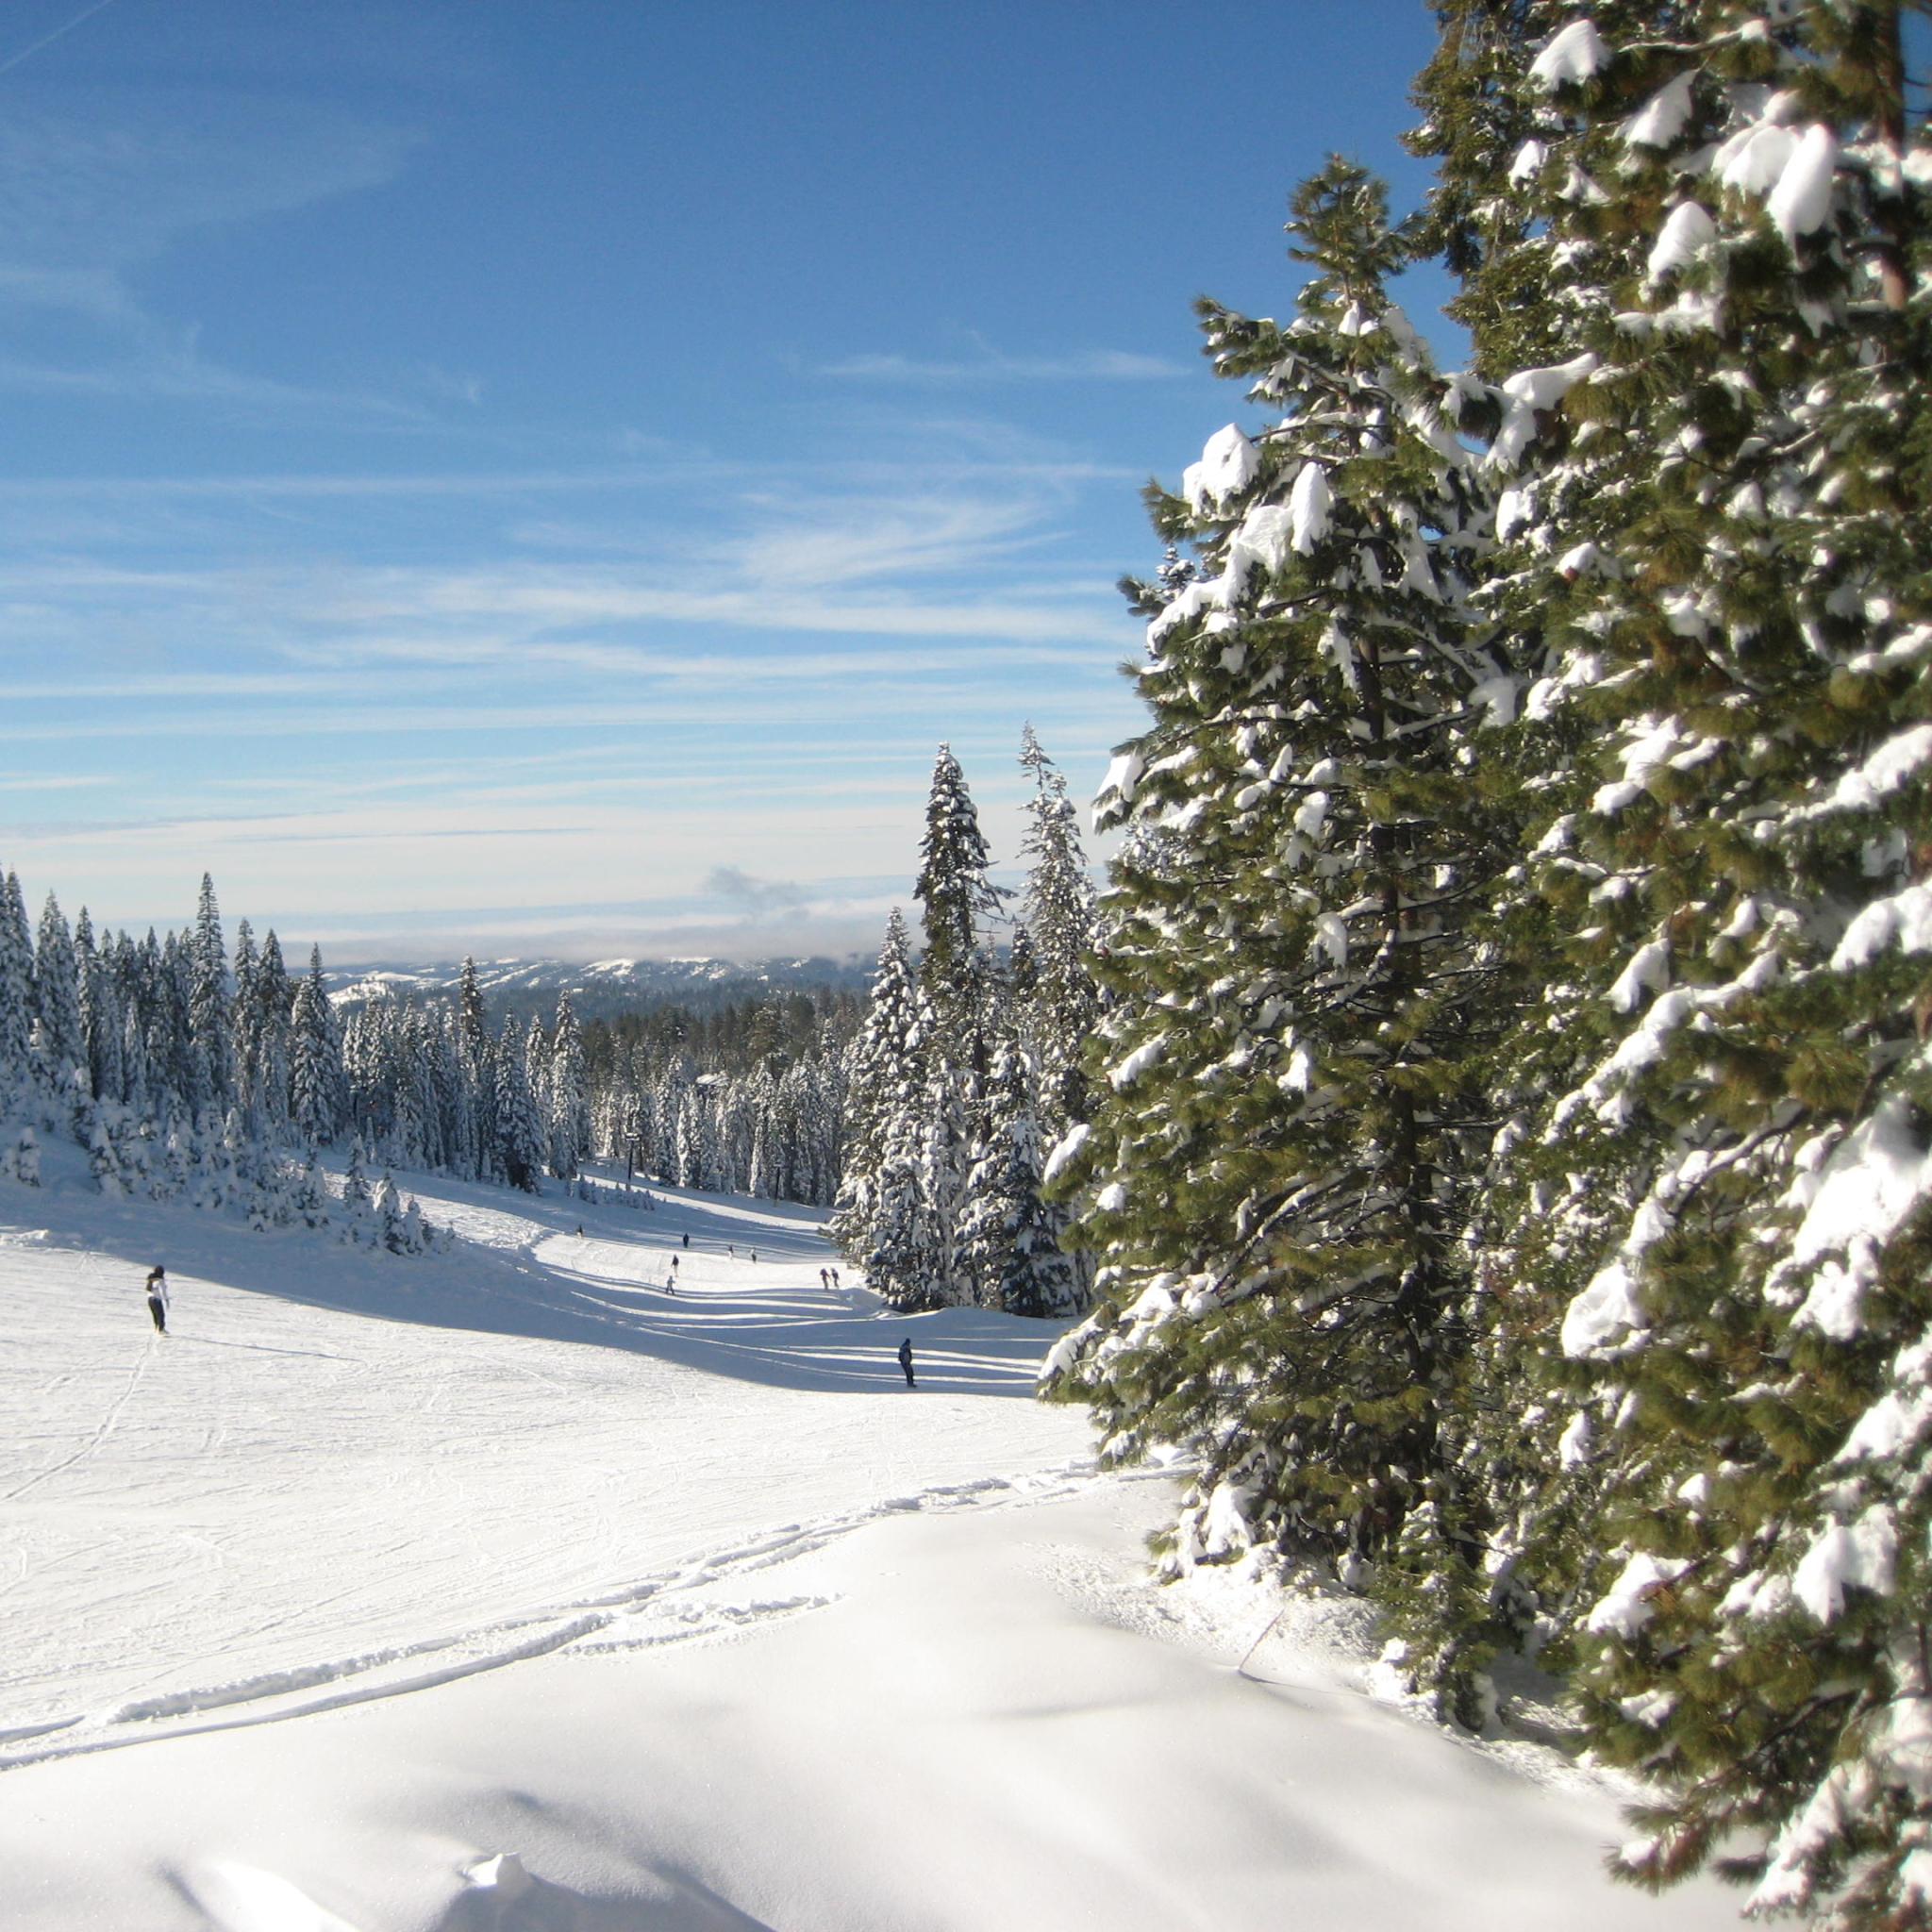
503,1589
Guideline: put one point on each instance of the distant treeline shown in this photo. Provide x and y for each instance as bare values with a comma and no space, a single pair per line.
749,1098
734,1039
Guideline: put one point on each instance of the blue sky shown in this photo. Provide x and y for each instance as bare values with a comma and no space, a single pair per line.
546,477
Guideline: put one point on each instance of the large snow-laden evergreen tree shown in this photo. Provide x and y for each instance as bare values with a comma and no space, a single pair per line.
885,1074
211,1017
1717,501
522,1139
1012,1234
1294,1011
318,1087
1054,1000
569,1107
16,995
59,1041
958,899
959,980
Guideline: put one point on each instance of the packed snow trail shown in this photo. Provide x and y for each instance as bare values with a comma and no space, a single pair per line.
510,1587
340,1461
985,1720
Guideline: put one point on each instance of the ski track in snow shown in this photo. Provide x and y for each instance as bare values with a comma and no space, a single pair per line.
278,1695
345,1477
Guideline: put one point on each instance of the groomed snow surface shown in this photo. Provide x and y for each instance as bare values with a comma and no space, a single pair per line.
503,1591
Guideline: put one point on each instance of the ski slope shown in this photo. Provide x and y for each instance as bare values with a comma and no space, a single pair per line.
507,1588
336,1456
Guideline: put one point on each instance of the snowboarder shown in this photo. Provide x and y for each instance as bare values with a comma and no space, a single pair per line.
158,1298
906,1361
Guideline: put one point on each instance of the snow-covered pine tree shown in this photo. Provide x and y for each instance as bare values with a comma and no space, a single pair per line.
885,1070
1295,1011
273,1001
960,981
904,1256
1010,1239
101,1018
521,1138
61,1043
956,968
356,1194
767,1162
244,1016
1057,1011
318,1088
1734,1186
211,1015
570,1113
16,992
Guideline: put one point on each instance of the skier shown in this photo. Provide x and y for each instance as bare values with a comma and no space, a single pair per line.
834,1281
158,1298
670,1284
754,1254
824,1281
687,1240
906,1361
673,1267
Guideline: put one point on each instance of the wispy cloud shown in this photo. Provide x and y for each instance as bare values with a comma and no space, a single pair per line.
83,203
991,366
66,26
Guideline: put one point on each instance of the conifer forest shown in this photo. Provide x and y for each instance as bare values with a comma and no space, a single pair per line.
1479,1130
1506,1174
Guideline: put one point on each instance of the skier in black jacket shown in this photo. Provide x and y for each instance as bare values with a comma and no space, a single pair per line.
906,1361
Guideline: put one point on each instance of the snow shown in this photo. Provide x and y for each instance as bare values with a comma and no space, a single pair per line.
1308,504
1122,1076
1841,1556
1529,160
503,1587
1228,464
1265,537
1573,56
1905,916
1625,1609
1687,232
1877,1176
1065,1150
1606,1311
1525,393
1651,748
1800,202
1753,160
1877,778
1123,774
1649,970
1663,117
1194,599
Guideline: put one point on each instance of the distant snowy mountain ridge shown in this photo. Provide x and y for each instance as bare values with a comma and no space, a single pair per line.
602,985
